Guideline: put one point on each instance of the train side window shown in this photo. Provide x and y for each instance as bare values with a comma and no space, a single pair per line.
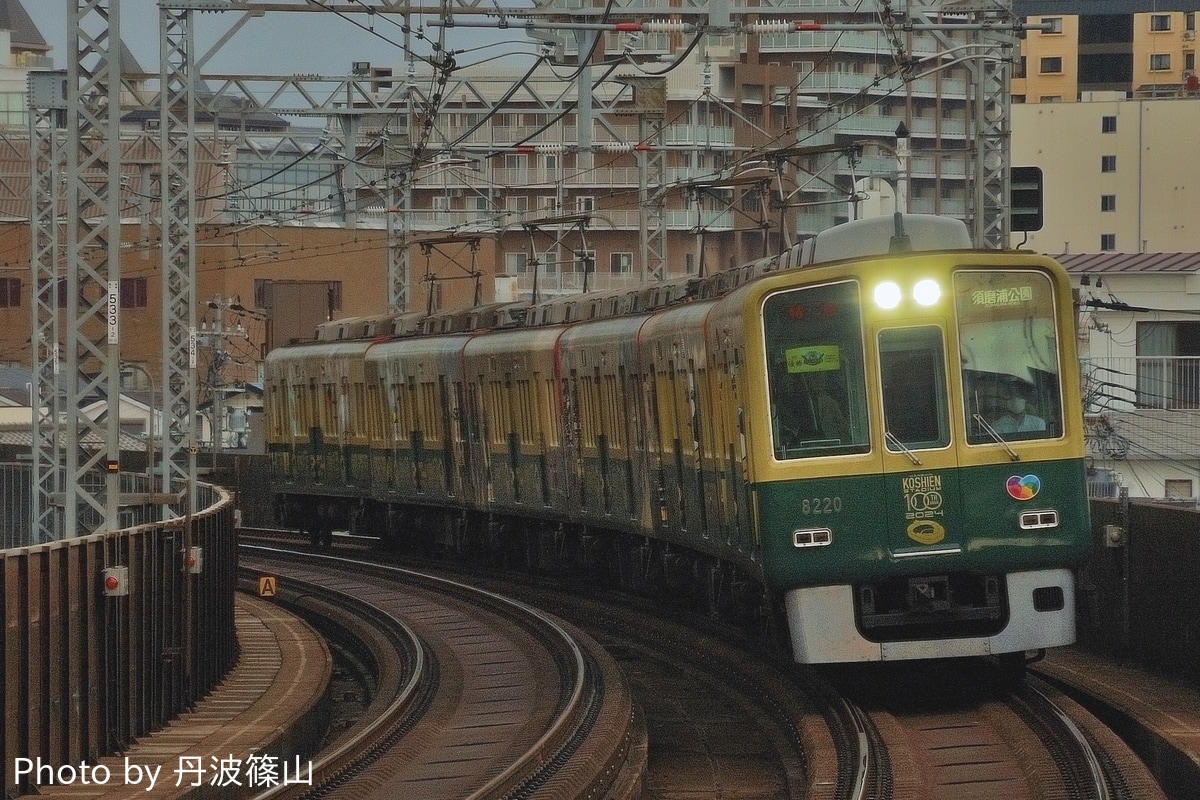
813,340
913,375
1008,343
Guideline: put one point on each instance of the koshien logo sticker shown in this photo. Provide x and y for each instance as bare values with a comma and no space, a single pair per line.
1023,488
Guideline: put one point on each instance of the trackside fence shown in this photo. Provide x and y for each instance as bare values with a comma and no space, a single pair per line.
87,672
1139,593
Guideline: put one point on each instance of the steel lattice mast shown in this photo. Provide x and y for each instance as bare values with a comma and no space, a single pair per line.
989,121
93,269
177,109
47,117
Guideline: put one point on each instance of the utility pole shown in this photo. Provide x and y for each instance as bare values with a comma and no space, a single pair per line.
214,338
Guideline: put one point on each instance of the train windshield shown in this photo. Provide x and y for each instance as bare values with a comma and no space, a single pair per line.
815,371
1008,344
912,369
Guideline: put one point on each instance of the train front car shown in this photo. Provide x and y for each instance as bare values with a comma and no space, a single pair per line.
918,464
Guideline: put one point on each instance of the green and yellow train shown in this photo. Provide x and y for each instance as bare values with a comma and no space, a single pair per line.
876,435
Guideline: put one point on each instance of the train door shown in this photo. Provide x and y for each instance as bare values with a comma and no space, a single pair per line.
479,441
919,457
463,421
451,442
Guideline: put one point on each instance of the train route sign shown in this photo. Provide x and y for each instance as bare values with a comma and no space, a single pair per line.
268,585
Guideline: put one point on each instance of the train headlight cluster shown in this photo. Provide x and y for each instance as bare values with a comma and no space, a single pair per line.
925,292
887,295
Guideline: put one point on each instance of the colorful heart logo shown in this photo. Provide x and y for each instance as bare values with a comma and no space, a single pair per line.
1023,488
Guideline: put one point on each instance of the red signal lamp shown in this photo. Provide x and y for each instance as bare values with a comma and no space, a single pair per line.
114,581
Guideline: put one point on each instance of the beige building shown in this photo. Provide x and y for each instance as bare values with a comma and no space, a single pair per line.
1119,175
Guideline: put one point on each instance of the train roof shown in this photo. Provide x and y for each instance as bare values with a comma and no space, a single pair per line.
879,236
864,238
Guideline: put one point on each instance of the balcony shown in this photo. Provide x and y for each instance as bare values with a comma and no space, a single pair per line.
1165,383
1144,408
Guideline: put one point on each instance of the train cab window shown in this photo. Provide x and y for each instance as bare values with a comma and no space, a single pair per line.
912,370
813,339
1008,344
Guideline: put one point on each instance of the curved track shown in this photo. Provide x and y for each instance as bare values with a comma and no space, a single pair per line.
725,719
958,733
478,697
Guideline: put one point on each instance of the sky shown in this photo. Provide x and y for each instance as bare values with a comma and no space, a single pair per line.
277,43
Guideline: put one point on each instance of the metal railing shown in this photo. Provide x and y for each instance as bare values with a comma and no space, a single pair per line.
1142,382
139,506
90,668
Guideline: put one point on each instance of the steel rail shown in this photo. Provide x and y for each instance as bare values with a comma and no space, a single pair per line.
546,754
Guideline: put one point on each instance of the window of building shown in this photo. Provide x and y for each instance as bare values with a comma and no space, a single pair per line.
1052,25
620,262
1189,62
1189,21
1168,365
1160,22
583,261
1108,124
1051,65
516,263
585,204
1108,163
1160,62
10,292
13,108
1108,242
1177,488
1108,202
133,293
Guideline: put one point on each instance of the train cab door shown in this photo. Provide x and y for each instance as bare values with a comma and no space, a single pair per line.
919,455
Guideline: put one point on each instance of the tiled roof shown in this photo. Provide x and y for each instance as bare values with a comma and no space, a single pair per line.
25,35
1079,263
20,434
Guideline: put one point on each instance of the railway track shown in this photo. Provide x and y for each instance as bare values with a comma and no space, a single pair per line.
475,696
726,719
962,733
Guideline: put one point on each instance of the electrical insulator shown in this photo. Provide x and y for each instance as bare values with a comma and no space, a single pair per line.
667,26
115,581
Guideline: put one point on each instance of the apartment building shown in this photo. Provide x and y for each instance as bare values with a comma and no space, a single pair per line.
727,148
1143,55
1108,106
1118,174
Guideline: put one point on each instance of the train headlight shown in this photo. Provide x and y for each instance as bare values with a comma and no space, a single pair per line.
887,295
927,292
